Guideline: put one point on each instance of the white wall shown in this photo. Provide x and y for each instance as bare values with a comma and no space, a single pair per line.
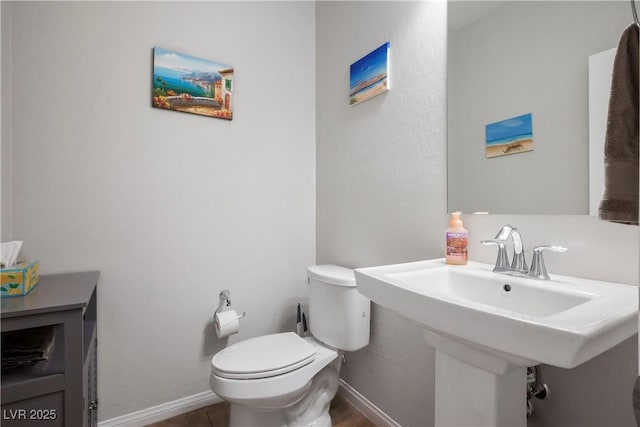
381,184
600,74
381,178
174,207
5,123
526,57
170,207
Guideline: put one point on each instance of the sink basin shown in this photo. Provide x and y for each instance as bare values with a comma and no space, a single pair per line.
487,328
563,322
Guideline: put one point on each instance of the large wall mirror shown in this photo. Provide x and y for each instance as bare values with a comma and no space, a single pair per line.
508,59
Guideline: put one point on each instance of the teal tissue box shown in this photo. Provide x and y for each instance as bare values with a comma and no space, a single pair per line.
20,279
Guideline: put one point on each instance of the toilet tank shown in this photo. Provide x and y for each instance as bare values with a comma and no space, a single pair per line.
339,315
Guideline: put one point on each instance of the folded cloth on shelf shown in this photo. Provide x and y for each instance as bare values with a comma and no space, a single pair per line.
620,197
27,346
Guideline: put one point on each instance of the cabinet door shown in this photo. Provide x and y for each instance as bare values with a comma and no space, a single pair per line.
93,385
90,381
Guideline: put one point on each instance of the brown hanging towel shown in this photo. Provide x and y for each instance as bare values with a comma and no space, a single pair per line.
620,197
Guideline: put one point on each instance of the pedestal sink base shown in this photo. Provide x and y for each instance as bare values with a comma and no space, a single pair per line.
469,396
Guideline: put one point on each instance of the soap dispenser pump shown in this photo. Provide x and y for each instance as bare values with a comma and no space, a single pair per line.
456,241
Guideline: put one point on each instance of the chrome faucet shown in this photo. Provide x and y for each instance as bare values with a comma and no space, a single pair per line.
518,265
538,268
518,262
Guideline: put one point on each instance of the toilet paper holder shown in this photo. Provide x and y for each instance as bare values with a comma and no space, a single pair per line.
225,301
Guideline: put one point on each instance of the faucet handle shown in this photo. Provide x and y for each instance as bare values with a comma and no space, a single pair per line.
551,248
502,262
538,268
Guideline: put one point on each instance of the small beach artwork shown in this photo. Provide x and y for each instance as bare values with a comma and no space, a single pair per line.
511,136
369,75
192,85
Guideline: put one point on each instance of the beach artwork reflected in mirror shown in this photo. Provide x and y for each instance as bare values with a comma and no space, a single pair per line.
369,76
192,85
511,136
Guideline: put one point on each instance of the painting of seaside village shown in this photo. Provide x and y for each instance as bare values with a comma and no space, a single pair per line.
370,75
192,85
509,136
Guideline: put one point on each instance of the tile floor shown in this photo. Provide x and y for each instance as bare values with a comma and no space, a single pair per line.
343,414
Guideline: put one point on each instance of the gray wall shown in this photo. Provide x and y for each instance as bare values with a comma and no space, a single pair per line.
171,207
526,57
380,189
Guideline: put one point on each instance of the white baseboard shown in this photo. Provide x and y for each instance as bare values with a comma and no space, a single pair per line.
362,404
163,412
206,398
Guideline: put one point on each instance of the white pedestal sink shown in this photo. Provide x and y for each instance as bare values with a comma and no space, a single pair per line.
469,396
488,327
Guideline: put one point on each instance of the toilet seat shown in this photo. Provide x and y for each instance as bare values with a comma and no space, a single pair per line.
265,391
263,357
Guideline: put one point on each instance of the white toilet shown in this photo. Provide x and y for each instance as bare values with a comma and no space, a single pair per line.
285,380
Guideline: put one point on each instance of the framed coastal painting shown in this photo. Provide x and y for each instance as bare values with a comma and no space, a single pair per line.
511,136
192,85
369,76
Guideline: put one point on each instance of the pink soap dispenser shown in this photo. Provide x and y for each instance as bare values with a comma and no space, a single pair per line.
456,241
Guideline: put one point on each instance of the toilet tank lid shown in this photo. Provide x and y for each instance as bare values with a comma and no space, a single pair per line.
332,274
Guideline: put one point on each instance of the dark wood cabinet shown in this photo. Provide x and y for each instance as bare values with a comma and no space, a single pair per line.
62,390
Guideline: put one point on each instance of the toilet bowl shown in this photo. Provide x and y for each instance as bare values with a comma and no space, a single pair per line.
279,387
286,380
